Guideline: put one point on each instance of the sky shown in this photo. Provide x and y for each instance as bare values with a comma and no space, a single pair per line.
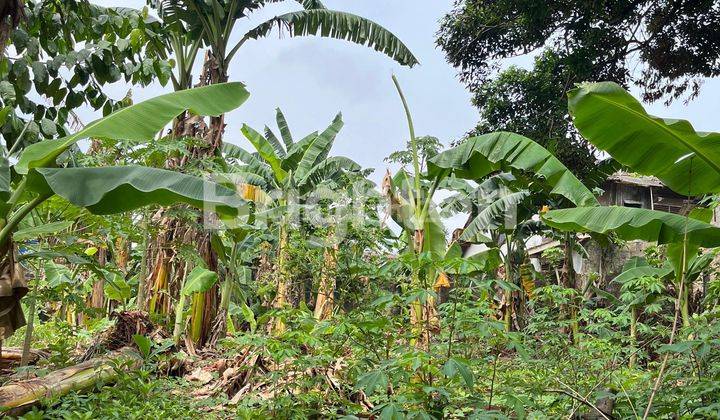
311,79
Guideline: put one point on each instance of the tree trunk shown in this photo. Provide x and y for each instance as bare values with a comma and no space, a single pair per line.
423,316
325,302
26,393
97,299
282,278
13,286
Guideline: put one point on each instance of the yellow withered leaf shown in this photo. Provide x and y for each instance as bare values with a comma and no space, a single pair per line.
442,281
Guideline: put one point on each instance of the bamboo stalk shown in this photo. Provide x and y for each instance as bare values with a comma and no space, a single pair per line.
61,382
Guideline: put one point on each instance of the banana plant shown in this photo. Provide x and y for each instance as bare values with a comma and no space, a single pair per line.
410,198
291,170
37,176
196,24
214,21
614,121
502,211
683,159
530,164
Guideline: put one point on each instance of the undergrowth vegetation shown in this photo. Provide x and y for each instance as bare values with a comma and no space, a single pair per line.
156,264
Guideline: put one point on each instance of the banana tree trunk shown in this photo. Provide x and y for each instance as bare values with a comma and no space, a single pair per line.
509,279
13,287
282,279
685,305
204,305
159,301
325,302
423,315
26,393
507,314
97,299
165,290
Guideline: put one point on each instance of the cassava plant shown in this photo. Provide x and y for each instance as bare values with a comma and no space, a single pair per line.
683,159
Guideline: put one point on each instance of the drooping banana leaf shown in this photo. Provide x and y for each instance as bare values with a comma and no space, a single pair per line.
480,156
327,169
675,251
435,239
339,25
233,151
468,197
252,163
39,231
115,189
643,271
494,216
612,120
632,223
484,261
141,121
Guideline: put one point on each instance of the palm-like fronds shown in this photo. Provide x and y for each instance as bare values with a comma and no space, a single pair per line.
302,165
338,25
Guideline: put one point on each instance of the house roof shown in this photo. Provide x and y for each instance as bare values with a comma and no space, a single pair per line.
634,179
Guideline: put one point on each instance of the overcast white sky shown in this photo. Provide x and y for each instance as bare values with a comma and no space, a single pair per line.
311,79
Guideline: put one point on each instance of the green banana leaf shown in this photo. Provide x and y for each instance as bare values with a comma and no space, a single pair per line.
253,165
266,151
327,169
39,231
199,280
141,121
318,149
632,223
480,156
403,213
284,129
115,189
296,151
275,142
484,261
338,25
612,120
493,217
643,271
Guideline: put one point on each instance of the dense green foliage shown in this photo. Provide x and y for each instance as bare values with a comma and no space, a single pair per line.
285,284
658,46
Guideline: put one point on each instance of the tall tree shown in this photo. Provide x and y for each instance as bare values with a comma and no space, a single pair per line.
63,54
664,48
